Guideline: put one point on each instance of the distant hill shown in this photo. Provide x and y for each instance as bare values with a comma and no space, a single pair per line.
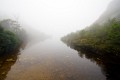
113,11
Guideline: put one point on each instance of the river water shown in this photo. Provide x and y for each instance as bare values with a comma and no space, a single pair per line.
51,60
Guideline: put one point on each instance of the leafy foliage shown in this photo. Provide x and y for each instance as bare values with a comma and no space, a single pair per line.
11,36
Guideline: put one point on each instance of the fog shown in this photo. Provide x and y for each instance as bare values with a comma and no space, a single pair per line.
53,17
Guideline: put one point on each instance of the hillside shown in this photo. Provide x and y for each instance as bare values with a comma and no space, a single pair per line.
113,11
103,35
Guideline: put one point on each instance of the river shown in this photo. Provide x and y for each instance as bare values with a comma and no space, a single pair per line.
51,60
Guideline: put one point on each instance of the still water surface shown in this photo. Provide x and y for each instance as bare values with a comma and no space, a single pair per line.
52,60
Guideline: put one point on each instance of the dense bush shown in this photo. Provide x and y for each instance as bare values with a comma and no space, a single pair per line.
11,36
8,42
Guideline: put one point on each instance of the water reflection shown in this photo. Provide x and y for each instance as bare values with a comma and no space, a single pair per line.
53,60
109,63
6,63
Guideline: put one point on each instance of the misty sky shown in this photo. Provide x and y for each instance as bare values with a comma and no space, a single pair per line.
54,17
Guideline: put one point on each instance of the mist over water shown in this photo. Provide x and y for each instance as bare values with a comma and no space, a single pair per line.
41,32
53,17
52,60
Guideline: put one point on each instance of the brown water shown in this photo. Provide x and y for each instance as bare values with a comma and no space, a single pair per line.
51,60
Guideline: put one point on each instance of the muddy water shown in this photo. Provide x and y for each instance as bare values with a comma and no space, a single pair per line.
52,60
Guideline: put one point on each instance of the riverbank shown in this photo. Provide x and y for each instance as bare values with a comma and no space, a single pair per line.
97,38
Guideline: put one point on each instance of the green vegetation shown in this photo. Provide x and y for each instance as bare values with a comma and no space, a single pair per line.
11,36
102,37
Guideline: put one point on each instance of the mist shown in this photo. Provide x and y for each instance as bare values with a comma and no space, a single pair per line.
59,39
53,17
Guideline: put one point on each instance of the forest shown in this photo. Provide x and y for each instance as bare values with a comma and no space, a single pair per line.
98,37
